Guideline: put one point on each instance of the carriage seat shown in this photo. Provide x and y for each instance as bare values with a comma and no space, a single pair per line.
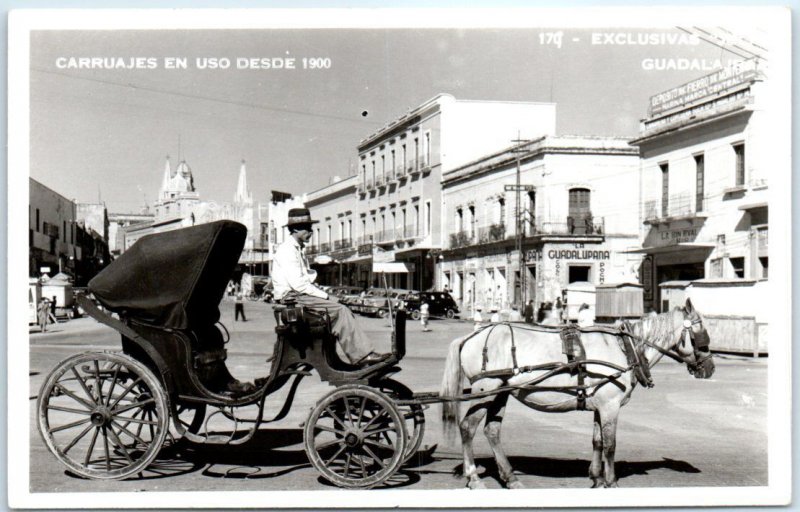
289,314
209,363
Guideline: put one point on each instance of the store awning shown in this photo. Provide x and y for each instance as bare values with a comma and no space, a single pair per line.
323,259
684,246
394,267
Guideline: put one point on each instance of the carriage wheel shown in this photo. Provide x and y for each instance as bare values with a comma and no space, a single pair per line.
104,415
414,414
355,437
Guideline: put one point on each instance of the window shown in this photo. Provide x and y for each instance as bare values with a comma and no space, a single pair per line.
700,178
428,148
579,273
383,165
364,173
405,156
341,231
394,164
349,232
580,214
405,223
764,261
427,217
416,219
716,268
64,229
502,206
416,152
738,149
373,171
459,220
471,227
364,229
37,219
664,190
738,266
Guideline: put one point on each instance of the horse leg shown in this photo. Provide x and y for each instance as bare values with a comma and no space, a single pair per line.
596,467
468,427
608,425
494,422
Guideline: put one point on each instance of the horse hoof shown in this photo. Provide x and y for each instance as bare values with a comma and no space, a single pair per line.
611,484
516,484
597,482
476,485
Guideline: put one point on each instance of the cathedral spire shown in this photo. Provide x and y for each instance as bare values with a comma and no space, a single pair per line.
242,194
167,177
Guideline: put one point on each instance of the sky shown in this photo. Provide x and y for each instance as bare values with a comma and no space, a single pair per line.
104,134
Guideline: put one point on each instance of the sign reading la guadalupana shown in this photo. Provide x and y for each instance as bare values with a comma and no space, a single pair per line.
578,254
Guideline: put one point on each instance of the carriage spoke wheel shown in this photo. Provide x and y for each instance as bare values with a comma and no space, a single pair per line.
187,417
355,437
103,415
414,414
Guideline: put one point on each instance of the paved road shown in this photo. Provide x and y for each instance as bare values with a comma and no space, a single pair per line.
683,432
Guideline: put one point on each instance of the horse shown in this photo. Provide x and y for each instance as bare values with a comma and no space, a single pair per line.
527,362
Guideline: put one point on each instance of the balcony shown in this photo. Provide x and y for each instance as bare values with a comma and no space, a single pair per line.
679,207
492,233
571,225
462,239
311,250
408,232
400,172
413,166
381,181
385,236
365,245
325,247
344,243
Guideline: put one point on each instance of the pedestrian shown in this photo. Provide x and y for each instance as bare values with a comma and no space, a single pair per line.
424,316
529,312
239,305
558,310
585,316
495,316
514,316
43,312
477,318
53,307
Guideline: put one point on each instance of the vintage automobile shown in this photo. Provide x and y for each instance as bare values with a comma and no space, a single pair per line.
376,303
439,304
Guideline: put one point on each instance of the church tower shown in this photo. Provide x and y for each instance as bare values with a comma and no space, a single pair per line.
177,198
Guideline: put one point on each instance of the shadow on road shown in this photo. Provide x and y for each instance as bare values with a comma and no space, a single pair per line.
575,468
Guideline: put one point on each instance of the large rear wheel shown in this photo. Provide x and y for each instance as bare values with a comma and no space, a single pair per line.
355,437
414,414
103,415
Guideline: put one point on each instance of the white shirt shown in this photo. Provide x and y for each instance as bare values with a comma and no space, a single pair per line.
290,271
585,318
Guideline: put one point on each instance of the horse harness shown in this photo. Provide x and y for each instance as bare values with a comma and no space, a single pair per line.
573,349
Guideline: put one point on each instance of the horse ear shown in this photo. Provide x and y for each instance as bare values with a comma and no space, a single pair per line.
688,307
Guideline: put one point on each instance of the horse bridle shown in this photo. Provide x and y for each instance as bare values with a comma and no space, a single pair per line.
700,349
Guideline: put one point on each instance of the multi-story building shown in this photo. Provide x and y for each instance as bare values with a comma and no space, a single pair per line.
705,165
52,232
397,214
578,207
116,232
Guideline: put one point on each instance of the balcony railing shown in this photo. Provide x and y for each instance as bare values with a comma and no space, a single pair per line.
312,250
380,181
324,247
409,231
344,243
762,239
462,239
684,204
571,225
400,171
492,233
384,236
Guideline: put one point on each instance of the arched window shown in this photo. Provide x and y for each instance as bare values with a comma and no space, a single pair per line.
580,212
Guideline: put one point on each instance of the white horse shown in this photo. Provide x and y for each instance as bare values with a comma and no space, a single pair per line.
527,362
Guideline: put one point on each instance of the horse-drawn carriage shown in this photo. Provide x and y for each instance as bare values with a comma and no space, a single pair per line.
106,415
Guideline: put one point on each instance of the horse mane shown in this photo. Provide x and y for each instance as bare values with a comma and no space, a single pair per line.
658,329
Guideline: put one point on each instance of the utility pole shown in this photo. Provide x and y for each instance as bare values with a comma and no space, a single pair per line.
519,217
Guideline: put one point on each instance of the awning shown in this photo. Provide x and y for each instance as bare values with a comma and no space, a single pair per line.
683,246
394,267
753,206
323,259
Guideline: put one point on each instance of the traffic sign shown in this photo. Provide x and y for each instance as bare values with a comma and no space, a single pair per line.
524,188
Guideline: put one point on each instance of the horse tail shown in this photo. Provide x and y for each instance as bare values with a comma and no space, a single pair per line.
451,387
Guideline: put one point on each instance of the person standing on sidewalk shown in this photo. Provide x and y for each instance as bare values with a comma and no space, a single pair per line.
239,305
43,311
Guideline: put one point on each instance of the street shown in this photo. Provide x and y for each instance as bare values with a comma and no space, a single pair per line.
683,432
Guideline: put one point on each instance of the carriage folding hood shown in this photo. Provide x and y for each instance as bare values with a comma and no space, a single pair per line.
173,279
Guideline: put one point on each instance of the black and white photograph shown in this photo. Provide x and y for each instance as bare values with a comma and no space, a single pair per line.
399,257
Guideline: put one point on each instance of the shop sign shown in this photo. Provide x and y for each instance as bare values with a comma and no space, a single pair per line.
578,254
647,277
383,257
676,236
702,88
533,255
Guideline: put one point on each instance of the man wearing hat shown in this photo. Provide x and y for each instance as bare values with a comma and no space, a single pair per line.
293,280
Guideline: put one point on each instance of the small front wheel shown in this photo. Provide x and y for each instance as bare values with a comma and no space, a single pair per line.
103,415
355,437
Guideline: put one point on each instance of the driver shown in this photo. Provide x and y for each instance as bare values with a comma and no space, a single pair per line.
293,280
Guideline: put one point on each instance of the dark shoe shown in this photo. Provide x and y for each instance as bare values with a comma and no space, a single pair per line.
372,358
237,387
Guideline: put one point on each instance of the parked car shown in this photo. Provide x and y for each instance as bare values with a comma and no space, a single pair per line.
377,303
439,304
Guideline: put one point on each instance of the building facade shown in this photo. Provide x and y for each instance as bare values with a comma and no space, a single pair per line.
578,204
705,175
397,209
